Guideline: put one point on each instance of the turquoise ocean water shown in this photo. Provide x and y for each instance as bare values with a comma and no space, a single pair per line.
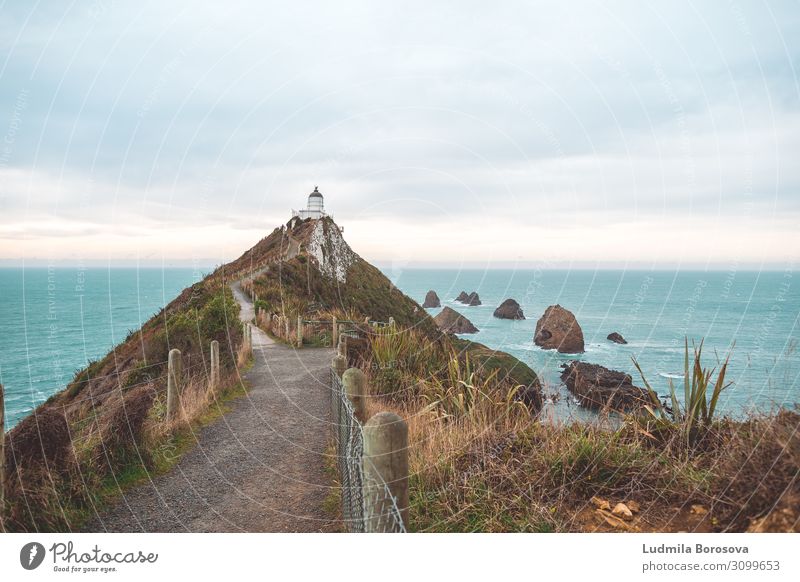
53,321
654,311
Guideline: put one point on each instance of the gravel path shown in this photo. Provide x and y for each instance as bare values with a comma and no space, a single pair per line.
260,468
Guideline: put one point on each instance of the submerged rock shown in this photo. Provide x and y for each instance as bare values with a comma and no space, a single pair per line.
597,387
559,330
450,320
431,300
509,309
616,338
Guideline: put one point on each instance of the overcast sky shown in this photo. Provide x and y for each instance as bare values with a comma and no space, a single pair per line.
443,133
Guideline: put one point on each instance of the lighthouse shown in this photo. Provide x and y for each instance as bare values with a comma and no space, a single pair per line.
315,208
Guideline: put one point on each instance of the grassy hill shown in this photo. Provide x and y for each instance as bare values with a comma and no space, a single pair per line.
108,429
108,426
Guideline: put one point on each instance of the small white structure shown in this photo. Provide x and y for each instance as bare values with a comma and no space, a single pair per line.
315,207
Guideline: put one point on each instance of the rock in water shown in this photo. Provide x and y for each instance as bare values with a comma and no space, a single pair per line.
559,330
462,297
431,300
450,320
509,309
473,299
597,387
616,338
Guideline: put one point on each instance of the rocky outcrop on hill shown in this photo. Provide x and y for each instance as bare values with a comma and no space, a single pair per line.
616,338
509,309
330,251
431,300
451,321
559,330
512,373
597,387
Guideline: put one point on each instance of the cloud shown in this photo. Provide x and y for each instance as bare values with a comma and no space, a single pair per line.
146,119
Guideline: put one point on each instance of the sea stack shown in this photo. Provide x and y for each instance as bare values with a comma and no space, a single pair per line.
559,330
451,321
616,338
509,309
597,387
473,299
431,300
462,297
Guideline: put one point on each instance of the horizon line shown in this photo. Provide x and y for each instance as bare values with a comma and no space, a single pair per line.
208,264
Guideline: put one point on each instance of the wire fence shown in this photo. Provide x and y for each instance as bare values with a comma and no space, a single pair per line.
367,503
318,333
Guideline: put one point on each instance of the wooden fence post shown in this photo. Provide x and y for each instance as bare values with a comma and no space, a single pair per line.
286,325
339,364
299,331
385,461
214,383
334,333
354,383
174,378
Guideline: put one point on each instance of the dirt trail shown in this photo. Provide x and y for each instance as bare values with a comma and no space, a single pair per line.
260,468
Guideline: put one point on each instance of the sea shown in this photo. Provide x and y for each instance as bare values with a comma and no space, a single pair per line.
753,316
53,321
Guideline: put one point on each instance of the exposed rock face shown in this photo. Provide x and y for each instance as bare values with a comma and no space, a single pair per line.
431,300
559,330
329,249
473,299
597,387
462,297
616,338
509,309
450,320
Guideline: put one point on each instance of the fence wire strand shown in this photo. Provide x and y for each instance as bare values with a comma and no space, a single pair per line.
367,503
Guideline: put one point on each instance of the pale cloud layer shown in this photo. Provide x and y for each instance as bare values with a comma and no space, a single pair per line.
630,132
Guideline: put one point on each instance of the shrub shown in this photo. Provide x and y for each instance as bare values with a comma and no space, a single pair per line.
696,413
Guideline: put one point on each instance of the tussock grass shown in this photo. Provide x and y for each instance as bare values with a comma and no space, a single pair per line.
481,462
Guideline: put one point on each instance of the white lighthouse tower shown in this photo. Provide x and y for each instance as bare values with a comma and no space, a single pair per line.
315,207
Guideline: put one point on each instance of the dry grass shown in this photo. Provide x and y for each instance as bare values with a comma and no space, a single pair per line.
481,462
54,483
